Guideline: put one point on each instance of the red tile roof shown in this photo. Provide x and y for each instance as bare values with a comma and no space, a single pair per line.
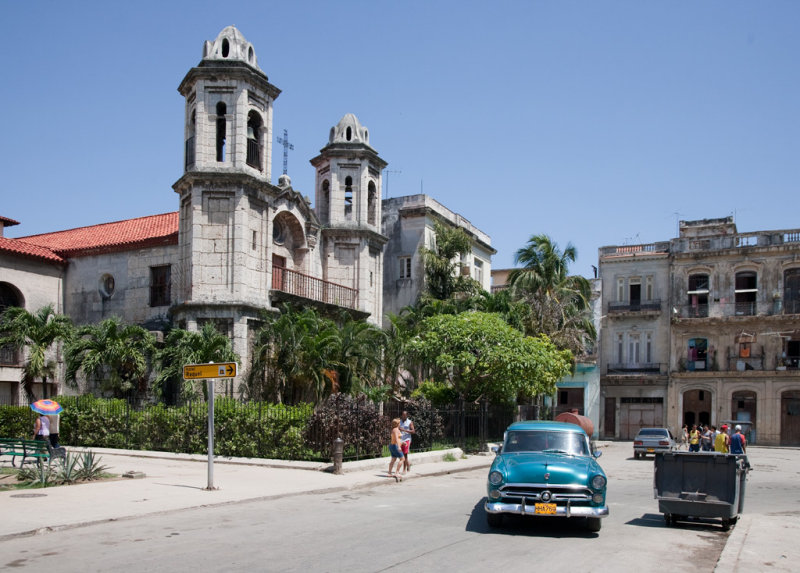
17,247
110,237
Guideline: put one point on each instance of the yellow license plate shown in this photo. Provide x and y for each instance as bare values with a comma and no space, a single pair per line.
650,450
545,508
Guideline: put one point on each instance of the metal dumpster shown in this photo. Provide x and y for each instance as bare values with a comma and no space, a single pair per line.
700,484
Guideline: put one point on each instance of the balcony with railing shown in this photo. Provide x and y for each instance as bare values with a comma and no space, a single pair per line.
305,286
254,154
635,307
622,250
731,309
635,368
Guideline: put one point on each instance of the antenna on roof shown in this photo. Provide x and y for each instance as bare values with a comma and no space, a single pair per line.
286,147
387,171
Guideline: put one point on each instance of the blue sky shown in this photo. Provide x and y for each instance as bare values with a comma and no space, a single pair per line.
595,122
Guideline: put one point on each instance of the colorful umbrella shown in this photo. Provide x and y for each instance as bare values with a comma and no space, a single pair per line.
46,407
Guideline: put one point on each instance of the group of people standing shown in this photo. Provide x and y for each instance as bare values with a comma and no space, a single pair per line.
709,439
400,445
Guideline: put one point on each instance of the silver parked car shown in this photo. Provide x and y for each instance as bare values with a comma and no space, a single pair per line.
652,440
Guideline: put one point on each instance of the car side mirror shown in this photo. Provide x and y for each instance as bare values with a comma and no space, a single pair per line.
497,449
597,453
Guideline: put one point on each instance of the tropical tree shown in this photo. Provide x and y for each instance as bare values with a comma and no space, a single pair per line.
358,355
114,354
479,355
293,356
182,347
557,303
37,332
443,279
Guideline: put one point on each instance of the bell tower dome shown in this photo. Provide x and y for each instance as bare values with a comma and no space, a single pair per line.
228,117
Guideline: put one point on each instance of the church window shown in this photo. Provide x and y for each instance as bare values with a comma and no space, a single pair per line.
325,202
250,54
106,286
160,285
226,48
405,267
255,240
189,155
278,232
349,134
348,196
221,129
254,140
371,203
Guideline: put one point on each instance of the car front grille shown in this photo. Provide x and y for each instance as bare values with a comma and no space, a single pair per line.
558,493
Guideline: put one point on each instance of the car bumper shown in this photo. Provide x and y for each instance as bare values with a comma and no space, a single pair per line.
651,450
561,511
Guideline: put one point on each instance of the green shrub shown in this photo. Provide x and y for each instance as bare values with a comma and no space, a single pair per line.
16,422
439,393
356,420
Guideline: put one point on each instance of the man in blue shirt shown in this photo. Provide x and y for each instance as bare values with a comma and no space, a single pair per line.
738,442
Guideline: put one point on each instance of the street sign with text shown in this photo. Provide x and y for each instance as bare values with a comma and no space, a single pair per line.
211,370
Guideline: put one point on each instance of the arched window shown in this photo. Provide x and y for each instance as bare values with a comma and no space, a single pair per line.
349,134
189,151
221,130
325,202
372,195
254,124
348,195
697,354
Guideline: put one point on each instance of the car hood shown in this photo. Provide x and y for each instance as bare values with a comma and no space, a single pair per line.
531,467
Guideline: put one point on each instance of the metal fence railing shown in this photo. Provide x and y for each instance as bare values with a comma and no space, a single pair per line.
258,429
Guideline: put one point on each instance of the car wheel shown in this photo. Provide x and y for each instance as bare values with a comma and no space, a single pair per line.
594,523
668,519
726,524
494,519
635,455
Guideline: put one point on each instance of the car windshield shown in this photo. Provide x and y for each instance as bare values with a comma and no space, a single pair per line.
654,432
540,441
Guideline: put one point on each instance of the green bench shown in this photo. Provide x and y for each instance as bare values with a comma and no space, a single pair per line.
28,449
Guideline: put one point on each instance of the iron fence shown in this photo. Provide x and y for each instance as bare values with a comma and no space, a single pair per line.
254,429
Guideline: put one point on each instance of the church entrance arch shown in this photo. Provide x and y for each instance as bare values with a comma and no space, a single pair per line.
696,407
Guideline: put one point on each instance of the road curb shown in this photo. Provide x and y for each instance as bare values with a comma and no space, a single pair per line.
316,491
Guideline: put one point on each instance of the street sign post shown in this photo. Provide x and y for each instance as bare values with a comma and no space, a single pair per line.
209,372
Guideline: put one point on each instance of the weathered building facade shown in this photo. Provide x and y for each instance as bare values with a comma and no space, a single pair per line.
727,341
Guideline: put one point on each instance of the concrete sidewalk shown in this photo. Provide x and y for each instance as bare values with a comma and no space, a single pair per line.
178,481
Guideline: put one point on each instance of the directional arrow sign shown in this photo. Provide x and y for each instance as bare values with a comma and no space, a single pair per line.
212,370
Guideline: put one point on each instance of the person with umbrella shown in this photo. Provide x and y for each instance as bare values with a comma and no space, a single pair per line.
41,428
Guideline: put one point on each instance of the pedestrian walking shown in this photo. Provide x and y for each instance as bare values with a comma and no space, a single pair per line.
707,439
694,439
54,421
395,449
685,437
738,444
722,440
41,428
407,430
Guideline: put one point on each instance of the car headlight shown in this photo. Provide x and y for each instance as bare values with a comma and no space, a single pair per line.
495,494
598,482
495,478
597,498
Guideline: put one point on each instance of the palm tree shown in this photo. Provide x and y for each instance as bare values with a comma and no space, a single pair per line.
37,332
182,347
558,303
358,355
443,279
115,353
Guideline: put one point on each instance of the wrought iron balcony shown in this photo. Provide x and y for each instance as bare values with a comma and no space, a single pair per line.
306,286
635,306
640,368
254,154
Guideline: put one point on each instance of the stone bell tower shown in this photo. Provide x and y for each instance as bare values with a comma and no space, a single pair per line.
348,205
225,190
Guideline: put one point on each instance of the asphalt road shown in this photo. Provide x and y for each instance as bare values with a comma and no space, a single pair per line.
429,524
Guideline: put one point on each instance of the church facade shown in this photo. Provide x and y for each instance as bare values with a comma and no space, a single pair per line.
238,244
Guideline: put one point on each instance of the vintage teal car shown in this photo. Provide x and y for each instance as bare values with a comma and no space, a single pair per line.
547,469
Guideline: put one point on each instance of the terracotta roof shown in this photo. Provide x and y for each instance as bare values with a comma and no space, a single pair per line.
108,237
8,222
17,247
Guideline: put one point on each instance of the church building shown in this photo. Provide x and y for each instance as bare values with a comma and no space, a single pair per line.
238,244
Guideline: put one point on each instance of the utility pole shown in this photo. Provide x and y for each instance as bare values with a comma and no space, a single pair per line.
286,147
387,171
